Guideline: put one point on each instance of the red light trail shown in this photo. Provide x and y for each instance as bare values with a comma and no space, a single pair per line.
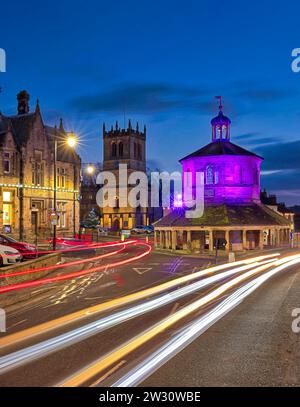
28,284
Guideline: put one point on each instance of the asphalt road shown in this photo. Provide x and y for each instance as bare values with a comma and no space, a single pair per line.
254,345
65,297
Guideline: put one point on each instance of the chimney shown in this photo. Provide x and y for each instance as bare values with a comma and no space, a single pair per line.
23,102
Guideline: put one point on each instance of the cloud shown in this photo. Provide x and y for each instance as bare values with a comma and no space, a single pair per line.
263,95
280,156
246,136
139,98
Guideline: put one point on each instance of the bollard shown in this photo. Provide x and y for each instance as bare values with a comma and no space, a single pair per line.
2,320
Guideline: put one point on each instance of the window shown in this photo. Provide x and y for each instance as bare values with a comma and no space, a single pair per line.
216,177
6,163
121,148
135,150
57,177
62,211
7,208
209,175
114,150
139,152
37,169
63,177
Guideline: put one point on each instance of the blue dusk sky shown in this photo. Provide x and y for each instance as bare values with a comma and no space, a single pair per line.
161,62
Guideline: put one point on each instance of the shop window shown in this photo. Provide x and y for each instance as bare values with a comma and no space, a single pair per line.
7,208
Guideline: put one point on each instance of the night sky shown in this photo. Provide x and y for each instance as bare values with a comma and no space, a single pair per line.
161,62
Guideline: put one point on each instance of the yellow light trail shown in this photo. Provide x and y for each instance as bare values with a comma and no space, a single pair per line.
101,364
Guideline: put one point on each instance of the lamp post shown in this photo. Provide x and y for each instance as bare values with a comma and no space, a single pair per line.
71,141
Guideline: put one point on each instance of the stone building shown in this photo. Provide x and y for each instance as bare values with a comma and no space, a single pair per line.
26,175
233,211
124,146
88,190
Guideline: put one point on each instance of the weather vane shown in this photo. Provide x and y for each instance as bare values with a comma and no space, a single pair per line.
219,98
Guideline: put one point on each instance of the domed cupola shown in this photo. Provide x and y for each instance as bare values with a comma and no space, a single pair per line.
220,124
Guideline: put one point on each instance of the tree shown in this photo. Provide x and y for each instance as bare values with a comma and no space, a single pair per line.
92,219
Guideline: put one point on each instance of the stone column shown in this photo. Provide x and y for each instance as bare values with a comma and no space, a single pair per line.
189,240
277,237
244,239
167,234
227,238
174,239
161,239
261,239
211,241
155,238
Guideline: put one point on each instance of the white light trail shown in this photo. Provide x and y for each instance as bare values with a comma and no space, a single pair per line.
189,334
44,348
48,326
99,365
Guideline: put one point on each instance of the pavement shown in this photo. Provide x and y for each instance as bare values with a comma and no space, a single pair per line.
253,345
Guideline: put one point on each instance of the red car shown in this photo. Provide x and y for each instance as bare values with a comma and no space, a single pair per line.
27,250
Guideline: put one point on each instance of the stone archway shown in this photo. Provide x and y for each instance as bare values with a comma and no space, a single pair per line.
116,224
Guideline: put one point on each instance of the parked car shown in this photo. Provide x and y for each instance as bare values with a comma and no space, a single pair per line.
9,255
28,251
102,231
142,229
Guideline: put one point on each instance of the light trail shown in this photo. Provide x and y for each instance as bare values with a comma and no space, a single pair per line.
28,284
63,265
125,300
104,362
85,246
194,330
44,348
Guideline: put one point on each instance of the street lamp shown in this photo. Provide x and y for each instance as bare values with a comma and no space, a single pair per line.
71,141
90,169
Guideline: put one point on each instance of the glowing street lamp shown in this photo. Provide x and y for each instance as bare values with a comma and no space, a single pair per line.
90,169
71,141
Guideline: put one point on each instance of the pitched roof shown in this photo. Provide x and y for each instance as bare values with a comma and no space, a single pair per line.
22,126
226,215
220,147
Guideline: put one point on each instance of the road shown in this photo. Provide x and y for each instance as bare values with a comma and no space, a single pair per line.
116,326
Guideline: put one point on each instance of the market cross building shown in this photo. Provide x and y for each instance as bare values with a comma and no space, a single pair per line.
27,175
233,212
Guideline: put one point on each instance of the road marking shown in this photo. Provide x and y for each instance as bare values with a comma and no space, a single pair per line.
17,323
142,270
107,374
174,308
92,298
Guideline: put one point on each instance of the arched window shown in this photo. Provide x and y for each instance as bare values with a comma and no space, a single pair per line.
114,150
121,148
209,175
216,177
139,152
135,150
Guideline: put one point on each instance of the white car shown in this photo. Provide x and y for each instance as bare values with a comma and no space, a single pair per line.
9,255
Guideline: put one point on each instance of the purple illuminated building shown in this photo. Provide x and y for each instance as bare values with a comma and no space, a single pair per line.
231,173
233,213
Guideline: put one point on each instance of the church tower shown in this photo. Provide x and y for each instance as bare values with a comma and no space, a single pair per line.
124,146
